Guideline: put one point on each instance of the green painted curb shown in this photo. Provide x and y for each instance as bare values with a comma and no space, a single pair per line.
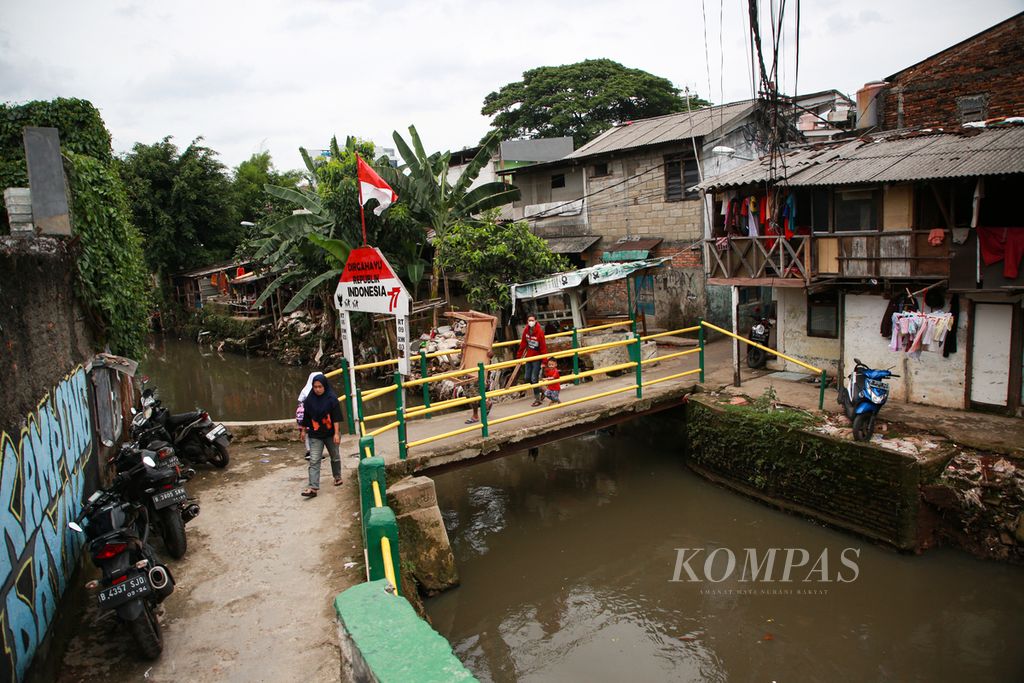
395,643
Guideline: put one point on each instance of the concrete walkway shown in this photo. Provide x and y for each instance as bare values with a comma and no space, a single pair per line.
254,595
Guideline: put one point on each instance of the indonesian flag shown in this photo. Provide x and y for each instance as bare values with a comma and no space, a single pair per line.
372,186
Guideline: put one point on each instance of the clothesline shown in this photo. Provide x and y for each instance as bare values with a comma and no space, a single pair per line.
914,332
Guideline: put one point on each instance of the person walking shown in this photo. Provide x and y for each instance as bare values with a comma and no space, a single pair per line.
300,410
533,345
321,417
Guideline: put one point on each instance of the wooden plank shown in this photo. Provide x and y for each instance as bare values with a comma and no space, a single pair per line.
893,250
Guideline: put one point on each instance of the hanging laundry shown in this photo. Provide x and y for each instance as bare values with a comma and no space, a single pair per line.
1002,244
914,332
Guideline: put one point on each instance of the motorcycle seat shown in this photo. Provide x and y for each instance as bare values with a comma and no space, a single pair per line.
183,418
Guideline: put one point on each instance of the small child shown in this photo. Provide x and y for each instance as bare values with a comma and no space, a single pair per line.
551,372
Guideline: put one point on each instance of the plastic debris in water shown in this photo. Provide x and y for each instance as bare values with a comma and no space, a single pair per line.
264,459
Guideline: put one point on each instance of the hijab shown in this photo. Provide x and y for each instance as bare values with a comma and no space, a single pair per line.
318,406
309,386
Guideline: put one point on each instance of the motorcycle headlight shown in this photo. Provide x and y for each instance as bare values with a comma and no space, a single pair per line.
758,329
148,401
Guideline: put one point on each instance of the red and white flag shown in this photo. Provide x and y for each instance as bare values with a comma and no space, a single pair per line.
372,186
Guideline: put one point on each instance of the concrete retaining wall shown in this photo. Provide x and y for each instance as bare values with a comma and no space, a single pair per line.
857,487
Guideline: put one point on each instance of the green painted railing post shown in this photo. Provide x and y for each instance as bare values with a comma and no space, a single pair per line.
637,352
400,413
821,391
381,523
361,411
575,356
423,374
346,383
700,341
481,381
370,470
366,443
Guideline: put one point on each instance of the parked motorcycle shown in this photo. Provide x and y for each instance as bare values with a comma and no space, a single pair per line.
760,333
862,396
194,436
161,489
133,581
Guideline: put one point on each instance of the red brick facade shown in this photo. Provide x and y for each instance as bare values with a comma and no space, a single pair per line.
988,66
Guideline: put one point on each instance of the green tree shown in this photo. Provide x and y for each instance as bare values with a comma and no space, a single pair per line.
252,202
582,100
434,202
309,247
494,255
182,203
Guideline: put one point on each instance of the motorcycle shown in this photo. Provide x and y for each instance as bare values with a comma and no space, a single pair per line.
193,435
133,581
760,333
862,396
161,489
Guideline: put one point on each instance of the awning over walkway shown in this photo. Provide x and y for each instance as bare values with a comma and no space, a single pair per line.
632,250
594,275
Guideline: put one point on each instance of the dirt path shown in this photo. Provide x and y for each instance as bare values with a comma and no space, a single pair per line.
254,593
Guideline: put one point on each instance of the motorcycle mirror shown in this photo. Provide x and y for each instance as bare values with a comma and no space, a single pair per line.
75,526
148,461
144,379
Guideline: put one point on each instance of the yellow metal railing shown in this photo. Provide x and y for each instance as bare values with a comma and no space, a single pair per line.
637,363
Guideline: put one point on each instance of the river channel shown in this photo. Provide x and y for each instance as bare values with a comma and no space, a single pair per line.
569,559
231,386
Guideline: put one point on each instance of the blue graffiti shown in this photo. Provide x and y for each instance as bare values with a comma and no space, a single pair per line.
41,479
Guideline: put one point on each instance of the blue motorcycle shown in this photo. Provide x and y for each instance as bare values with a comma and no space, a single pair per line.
863,396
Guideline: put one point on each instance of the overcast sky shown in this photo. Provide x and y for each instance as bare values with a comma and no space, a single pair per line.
269,75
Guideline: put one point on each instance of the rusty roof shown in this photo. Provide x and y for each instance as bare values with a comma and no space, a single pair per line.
663,129
890,157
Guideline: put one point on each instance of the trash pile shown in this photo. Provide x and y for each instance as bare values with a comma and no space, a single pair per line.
839,427
983,496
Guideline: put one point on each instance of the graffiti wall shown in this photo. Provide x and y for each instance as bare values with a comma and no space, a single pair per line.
42,474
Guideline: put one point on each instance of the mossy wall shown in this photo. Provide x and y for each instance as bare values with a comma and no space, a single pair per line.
858,487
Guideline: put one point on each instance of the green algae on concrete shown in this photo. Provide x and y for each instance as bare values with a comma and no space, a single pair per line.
382,639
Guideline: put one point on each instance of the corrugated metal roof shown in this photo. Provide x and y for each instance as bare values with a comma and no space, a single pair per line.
663,129
571,245
891,157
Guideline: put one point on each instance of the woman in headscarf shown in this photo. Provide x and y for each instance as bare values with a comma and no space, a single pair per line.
321,417
301,409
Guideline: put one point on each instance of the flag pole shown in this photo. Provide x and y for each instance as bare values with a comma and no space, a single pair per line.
359,187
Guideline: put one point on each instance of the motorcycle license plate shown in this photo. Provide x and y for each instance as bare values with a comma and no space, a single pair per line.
215,432
135,586
171,461
165,499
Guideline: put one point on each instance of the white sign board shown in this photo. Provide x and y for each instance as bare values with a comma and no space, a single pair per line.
369,285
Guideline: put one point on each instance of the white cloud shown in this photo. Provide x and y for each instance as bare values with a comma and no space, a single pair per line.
272,74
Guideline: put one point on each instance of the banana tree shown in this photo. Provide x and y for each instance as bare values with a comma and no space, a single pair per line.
422,184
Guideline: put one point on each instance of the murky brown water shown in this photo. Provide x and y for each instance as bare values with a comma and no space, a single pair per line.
229,385
567,563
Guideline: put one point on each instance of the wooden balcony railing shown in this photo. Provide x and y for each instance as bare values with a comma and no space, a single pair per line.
890,254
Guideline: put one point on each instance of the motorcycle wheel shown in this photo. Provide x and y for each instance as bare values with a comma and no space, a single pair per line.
219,457
863,426
755,357
846,403
145,629
172,530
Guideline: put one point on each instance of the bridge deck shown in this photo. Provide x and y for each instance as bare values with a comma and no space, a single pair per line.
545,427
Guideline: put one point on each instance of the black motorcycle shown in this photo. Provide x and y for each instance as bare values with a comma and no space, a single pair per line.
133,581
194,436
161,489
760,332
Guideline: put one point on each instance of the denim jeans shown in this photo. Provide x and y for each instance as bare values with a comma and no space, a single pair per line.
316,454
532,375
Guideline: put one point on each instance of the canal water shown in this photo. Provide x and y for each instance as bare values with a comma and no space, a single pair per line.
576,565
232,386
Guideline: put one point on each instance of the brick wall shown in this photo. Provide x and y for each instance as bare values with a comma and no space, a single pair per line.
637,207
991,64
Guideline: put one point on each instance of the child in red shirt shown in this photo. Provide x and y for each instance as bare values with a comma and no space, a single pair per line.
551,372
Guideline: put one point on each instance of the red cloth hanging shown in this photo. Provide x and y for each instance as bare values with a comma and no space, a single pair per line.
1002,244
